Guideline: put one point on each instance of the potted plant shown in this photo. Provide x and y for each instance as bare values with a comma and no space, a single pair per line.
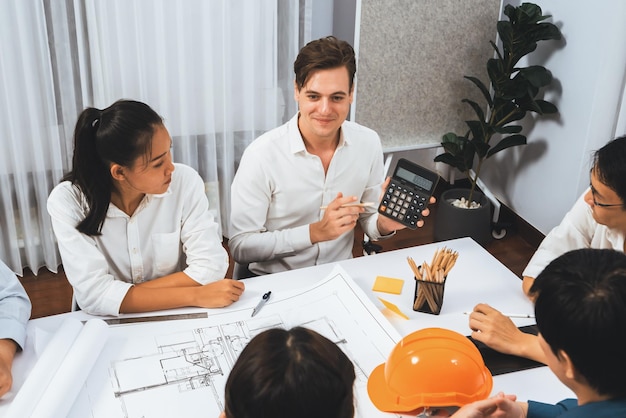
512,95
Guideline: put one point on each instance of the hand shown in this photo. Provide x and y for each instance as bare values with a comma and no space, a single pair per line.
218,294
490,327
387,225
337,220
499,406
527,282
8,348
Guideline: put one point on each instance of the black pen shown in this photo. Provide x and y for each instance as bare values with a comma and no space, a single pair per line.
265,298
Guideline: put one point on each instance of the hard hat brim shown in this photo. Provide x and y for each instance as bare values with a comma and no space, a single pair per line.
380,395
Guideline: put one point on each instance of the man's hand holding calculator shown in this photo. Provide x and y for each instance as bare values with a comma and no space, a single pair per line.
387,225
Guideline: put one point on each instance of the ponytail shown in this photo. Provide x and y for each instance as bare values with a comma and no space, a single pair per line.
118,134
89,172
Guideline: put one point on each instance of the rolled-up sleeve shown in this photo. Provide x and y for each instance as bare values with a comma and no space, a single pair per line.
15,307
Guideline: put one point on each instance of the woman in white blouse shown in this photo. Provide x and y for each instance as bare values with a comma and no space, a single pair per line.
133,229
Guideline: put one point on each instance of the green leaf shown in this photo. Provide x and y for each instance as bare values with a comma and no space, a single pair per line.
483,89
477,109
478,130
547,107
507,142
452,138
511,129
481,148
536,75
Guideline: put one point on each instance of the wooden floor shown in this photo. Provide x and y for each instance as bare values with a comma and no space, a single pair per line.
51,293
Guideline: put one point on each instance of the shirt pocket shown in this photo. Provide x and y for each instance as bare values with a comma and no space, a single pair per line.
167,253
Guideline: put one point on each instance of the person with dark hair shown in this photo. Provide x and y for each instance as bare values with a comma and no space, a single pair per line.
295,188
133,228
294,373
580,307
15,309
597,220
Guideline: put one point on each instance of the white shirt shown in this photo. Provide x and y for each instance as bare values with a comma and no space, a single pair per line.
279,188
167,233
577,230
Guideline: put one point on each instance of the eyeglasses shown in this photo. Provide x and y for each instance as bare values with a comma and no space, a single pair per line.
602,205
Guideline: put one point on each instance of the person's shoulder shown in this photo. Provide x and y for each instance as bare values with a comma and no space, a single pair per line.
65,197
64,192
353,128
269,139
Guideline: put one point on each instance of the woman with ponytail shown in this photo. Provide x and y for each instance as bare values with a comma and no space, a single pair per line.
133,228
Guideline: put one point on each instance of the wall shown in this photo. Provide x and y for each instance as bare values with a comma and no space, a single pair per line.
541,181
412,59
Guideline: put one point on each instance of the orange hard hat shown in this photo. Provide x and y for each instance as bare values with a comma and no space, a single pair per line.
427,368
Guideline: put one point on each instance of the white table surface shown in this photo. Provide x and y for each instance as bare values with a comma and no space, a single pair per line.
476,277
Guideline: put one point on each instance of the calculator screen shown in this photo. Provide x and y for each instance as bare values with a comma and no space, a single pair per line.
411,177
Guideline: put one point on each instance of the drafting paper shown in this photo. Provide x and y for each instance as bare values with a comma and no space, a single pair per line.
44,370
388,285
179,368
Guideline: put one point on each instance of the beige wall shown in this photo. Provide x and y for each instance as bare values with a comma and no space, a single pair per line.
412,59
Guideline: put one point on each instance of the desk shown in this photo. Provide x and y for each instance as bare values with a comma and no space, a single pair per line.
476,277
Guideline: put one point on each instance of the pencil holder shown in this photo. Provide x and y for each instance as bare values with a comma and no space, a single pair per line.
428,296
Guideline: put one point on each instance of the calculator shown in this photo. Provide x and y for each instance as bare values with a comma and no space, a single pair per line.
408,193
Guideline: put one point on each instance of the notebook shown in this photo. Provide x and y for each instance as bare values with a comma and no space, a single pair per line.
499,363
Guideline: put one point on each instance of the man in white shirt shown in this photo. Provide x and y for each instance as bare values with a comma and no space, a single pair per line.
316,159
597,220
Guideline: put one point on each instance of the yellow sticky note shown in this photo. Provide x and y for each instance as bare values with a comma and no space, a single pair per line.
388,285
393,308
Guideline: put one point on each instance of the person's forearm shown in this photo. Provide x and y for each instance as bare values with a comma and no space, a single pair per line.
212,295
178,279
531,349
147,299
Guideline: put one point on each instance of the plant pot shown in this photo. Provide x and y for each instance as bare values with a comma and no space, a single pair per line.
454,222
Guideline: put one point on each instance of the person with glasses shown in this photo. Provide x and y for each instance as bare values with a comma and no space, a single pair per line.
597,220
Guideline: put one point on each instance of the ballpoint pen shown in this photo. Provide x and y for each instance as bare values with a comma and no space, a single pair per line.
264,299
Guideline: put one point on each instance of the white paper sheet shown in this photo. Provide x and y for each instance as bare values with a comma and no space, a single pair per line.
179,368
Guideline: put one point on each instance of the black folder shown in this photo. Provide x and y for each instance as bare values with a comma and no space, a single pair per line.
499,363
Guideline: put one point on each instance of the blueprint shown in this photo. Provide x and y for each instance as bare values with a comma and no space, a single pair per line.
179,368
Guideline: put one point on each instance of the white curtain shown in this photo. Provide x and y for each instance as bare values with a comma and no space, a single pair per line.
218,71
